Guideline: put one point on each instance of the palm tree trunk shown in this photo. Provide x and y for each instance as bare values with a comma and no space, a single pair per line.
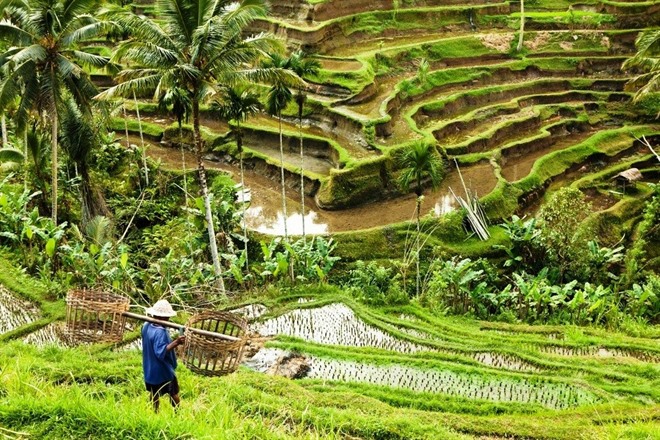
239,144
3,127
25,158
522,26
286,235
54,167
144,154
302,175
419,244
183,165
128,141
205,195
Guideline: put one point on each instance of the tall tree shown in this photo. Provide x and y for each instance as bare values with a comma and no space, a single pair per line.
647,62
45,61
201,43
302,66
238,104
420,163
279,96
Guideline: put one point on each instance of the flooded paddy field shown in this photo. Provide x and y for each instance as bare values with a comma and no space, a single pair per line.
550,395
15,312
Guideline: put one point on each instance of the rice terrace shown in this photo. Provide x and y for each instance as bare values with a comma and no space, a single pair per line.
330,219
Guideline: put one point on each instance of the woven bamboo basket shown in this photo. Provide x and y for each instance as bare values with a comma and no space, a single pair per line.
95,316
212,356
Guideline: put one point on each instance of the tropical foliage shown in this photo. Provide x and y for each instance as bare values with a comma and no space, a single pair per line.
199,46
46,62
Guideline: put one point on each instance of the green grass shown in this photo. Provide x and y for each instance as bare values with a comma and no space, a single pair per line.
150,130
48,392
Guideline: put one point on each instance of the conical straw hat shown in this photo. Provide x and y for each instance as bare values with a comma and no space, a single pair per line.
162,308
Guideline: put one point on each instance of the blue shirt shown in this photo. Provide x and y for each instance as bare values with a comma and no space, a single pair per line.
158,364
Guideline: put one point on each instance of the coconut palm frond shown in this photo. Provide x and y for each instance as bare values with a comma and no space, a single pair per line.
5,57
14,35
67,68
89,59
82,89
99,230
180,17
29,97
75,8
648,43
34,52
249,11
77,133
126,88
647,61
146,54
87,31
652,86
10,154
10,85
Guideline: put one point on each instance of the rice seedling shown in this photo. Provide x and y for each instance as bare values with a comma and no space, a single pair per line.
52,334
601,352
15,312
251,311
335,324
545,393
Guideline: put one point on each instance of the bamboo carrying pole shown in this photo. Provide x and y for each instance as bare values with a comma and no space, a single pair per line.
180,326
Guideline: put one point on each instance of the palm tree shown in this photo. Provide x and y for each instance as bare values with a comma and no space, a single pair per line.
646,60
181,104
279,96
302,66
237,104
45,60
200,44
35,146
79,137
421,162
423,71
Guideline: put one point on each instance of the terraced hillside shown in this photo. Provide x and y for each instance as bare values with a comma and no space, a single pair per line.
445,71
359,373
511,125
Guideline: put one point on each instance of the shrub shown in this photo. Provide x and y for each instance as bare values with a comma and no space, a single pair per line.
563,233
374,284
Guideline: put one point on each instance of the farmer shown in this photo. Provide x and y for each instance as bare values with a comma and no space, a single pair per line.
158,357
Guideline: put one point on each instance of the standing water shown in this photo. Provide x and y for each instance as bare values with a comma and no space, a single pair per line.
265,215
335,324
15,312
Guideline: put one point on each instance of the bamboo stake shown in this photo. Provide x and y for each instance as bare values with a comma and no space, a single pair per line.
180,326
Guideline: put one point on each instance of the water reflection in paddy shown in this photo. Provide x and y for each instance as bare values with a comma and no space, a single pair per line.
265,211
